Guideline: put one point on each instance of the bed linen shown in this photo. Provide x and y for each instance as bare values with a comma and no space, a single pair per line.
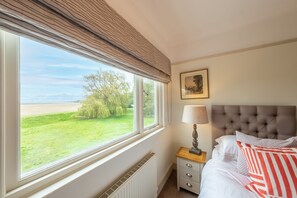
220,179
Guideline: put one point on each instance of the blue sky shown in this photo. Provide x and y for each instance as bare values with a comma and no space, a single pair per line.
52,75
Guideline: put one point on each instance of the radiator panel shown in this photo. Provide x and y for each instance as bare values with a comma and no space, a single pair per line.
139,182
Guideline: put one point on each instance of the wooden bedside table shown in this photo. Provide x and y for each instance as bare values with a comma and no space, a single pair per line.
189,168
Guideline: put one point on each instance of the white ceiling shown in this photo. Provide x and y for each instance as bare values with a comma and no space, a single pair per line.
188,29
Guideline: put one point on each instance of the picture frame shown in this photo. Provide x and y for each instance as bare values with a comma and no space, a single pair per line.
194,84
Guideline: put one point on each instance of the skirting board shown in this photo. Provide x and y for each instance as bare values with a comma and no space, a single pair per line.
174,166
165,178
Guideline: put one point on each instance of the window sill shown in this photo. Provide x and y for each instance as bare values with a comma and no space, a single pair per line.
47,187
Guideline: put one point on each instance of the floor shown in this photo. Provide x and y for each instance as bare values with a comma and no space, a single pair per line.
170,190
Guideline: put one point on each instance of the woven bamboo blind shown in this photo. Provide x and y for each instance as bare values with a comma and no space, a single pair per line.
87,27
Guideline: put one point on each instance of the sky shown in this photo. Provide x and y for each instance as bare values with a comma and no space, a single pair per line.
53,75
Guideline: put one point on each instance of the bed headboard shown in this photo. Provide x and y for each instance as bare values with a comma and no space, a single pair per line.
274,122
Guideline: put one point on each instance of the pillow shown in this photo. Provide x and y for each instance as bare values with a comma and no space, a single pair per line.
241,161
272,170
227,148
215,153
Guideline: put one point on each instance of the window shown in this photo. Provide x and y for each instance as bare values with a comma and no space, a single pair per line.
67,107
69,104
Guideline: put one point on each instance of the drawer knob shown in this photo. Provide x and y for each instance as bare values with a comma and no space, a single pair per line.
189,185
189,175
189,165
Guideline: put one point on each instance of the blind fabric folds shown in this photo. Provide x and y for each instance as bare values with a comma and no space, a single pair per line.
88,27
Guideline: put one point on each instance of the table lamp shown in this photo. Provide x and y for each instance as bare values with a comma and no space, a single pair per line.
195,114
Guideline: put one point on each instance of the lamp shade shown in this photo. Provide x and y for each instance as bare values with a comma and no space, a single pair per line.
195,114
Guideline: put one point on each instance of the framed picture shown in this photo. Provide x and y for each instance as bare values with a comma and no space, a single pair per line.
194,84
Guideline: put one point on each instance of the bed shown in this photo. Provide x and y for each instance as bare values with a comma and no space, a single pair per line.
221,178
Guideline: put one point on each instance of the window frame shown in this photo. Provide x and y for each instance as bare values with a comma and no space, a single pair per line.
2,147
12,182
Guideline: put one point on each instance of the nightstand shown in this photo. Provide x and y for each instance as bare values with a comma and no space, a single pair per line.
189,168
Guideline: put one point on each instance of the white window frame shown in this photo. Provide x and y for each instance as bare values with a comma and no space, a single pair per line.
12,184
2,147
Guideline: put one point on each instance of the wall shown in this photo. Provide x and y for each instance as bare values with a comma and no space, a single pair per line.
266,76
95,181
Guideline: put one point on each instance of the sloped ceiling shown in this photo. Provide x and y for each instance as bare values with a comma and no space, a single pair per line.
189,29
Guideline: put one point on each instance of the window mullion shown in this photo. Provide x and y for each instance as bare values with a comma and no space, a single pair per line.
159,105
140,106
165,104
138,111
156,105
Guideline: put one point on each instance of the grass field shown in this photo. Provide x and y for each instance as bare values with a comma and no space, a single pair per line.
47,138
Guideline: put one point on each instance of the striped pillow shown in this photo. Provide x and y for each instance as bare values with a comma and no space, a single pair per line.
273,170
275,143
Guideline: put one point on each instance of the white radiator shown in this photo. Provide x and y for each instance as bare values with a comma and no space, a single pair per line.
139,182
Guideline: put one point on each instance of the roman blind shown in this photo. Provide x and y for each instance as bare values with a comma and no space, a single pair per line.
87,27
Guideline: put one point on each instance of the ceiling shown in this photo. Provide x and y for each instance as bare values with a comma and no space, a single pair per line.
189,29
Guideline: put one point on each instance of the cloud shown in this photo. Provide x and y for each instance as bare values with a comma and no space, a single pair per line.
76,66
51,80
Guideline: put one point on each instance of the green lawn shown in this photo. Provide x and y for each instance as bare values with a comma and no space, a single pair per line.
47,138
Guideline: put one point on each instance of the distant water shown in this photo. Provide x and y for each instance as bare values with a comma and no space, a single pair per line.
50,108
50,100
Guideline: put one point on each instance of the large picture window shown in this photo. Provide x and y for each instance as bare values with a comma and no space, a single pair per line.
69,104
61,108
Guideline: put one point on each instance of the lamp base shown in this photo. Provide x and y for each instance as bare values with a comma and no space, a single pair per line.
195,151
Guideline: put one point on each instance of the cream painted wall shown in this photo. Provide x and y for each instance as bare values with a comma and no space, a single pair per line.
266,76
95,181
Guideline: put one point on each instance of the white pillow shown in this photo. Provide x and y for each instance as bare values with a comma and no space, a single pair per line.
227,148
215,154
241,161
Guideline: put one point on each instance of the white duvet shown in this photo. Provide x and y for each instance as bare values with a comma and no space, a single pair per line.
221,180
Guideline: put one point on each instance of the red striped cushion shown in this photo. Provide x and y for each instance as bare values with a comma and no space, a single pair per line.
273,170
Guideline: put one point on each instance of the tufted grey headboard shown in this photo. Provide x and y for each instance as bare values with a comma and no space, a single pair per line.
274,122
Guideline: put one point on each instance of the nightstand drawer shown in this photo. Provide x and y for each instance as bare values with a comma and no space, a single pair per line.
191,175
190,185
190,165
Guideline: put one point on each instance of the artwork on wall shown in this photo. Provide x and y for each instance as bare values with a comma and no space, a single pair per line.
194,84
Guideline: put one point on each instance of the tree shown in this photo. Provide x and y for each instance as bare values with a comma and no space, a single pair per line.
148,98
198,80
108,95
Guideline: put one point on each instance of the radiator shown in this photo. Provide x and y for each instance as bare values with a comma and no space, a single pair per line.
138,182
